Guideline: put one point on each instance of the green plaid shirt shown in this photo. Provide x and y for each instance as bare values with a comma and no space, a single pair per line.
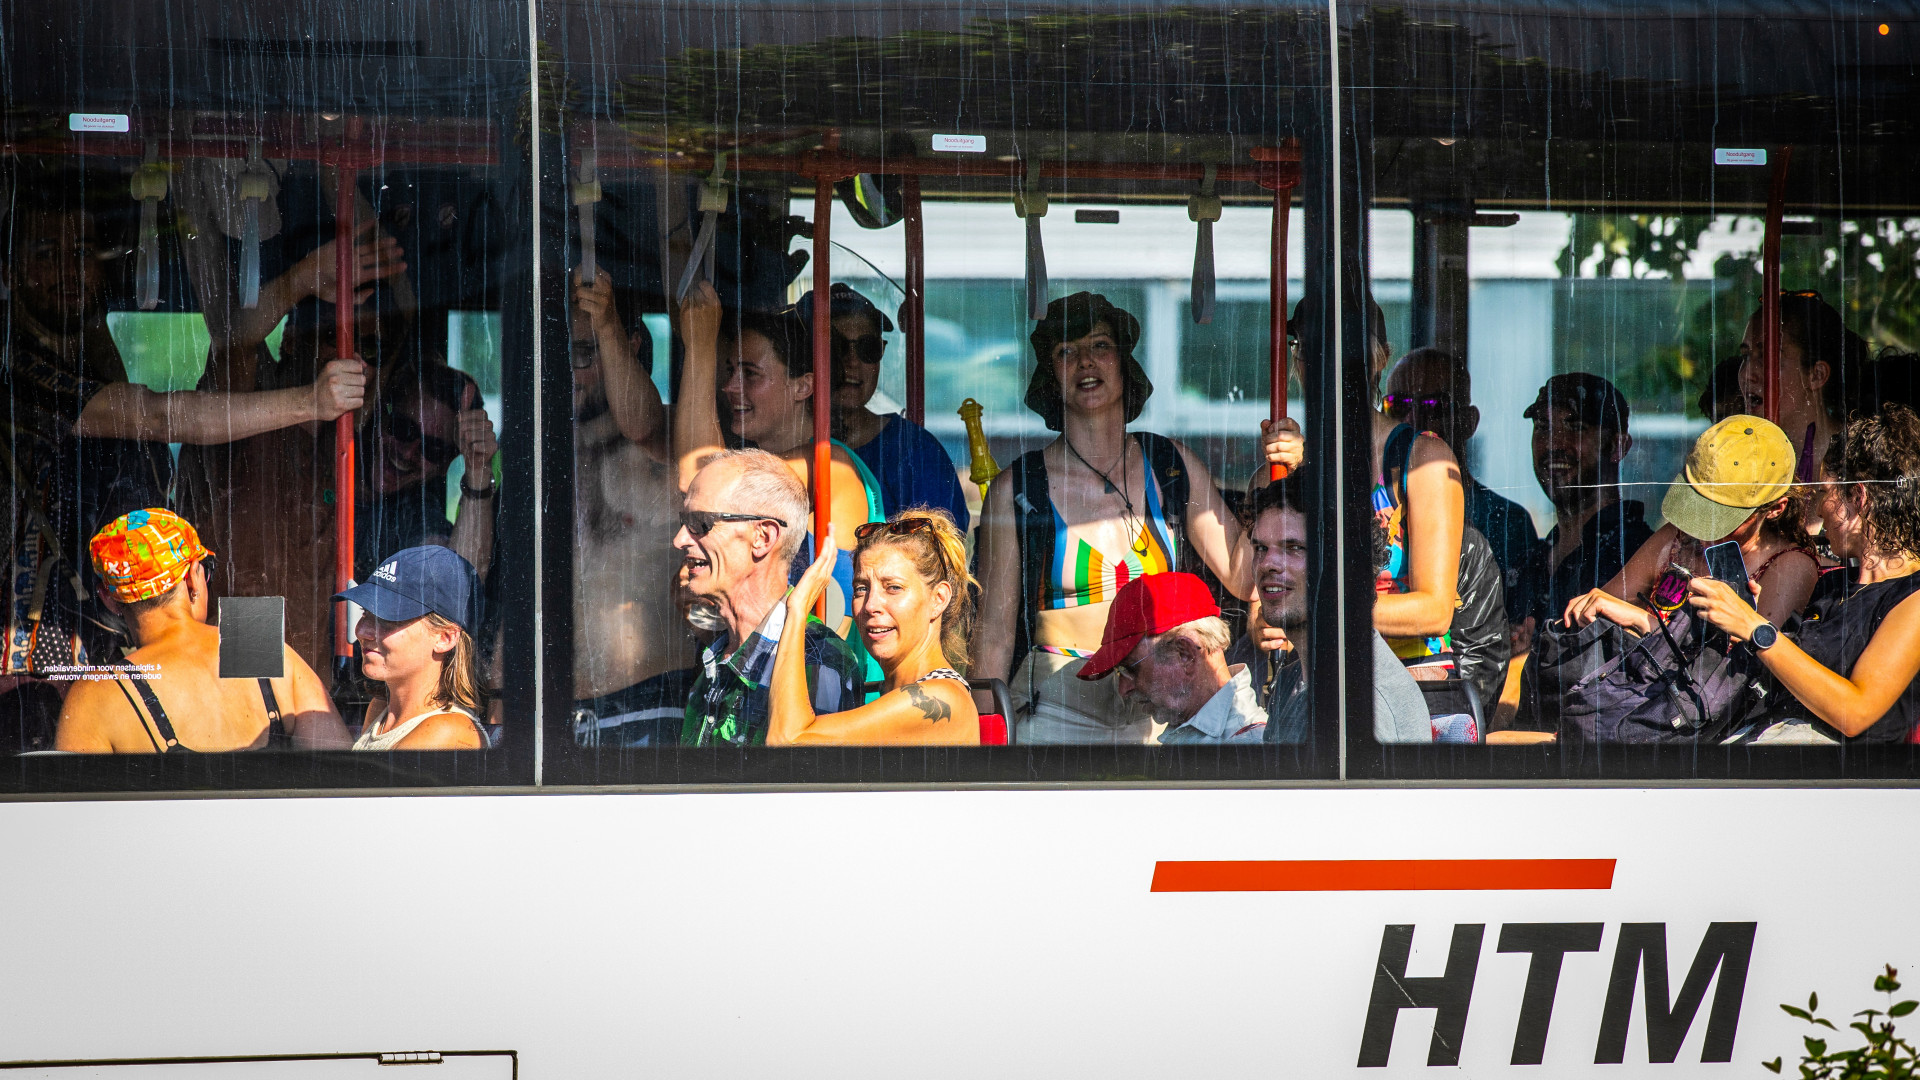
730,699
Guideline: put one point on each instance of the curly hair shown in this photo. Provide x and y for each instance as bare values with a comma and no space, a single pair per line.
938,550
1881,453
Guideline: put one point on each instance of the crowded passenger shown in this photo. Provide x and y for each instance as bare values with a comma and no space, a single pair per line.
1165,647
429,417
912,467
421,607
759,369
1579,439
1821,364
633,661
1431,390
1736,487
169,697
1847,672
1065,527
83,444
741,525
913,608
1276,647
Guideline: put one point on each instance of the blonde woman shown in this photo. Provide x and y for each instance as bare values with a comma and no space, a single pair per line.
416,640
912,608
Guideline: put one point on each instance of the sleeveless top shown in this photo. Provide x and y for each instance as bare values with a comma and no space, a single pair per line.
943,673
1834,629
1082,574
1670,591
278,737
1390,512
387,740
840,593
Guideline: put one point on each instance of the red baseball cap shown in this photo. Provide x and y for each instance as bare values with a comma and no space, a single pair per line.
1146,606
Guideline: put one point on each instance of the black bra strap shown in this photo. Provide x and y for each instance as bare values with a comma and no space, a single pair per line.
276,731
167,737
138,715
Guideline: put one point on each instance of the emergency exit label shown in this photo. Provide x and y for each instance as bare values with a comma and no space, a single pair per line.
1725,156
961,144
92,121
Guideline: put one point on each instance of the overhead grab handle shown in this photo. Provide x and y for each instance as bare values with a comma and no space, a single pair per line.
1031,203
713,203
1203,209
148,187
586,194
255,189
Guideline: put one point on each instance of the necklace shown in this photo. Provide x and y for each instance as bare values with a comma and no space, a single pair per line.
1129,519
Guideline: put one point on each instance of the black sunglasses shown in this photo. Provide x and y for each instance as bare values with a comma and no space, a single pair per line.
699,523
867,348
1396,404
406,429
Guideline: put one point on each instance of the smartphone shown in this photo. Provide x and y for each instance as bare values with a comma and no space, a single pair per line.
1724,563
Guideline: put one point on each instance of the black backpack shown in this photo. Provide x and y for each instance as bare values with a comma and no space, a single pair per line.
1683,683
1033,523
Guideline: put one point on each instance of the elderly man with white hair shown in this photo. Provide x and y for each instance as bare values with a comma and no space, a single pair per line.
1166,643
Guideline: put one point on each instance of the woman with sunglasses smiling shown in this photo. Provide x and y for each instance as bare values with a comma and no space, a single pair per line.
416,644
759,369
913,611
429,416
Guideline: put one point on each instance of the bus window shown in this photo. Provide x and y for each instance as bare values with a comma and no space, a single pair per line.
247,379
1650,342
1017,359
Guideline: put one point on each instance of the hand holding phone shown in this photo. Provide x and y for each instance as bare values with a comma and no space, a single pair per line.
1725,563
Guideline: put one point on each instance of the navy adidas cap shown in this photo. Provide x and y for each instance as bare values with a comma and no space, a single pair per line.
843,300
410,583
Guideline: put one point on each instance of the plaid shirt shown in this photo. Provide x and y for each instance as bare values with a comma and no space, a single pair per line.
730,699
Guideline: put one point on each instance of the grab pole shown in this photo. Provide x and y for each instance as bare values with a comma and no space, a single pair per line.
345,347
1282,185
1770,285
913,315
822,370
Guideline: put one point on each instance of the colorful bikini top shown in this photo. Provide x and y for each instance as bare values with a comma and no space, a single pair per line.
1082,574
1390,512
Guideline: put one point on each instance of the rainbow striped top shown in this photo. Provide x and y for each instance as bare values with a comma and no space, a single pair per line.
1083,574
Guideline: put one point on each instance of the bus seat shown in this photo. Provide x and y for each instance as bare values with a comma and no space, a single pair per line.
996,711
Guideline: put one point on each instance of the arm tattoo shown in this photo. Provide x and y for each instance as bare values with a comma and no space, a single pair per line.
930,707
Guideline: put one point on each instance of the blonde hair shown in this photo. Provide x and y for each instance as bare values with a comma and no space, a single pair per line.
460,683
939,553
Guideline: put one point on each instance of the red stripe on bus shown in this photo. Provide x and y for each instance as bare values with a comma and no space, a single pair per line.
1381,875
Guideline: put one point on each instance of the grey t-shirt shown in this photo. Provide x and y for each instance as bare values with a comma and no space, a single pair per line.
1399,709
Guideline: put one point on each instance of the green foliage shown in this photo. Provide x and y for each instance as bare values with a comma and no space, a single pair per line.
1884,1055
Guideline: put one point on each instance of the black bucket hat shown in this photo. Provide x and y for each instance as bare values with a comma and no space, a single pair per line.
1071,318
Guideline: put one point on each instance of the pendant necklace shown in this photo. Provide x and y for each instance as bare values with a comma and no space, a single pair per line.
1127,519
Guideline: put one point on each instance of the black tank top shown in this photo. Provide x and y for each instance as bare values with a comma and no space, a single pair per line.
1836,625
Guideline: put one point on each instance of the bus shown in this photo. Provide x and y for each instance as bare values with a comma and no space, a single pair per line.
327,284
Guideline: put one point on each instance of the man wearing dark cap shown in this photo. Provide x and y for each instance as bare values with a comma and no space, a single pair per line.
1579,438
911,465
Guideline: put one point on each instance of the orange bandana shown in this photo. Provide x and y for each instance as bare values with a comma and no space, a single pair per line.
145,554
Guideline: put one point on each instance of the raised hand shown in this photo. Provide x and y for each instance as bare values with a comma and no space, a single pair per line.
700,315
1282,443
376,256
340,389
597,301
813,583
477,442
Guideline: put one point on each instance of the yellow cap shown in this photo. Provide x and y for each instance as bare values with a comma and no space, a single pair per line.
1736,466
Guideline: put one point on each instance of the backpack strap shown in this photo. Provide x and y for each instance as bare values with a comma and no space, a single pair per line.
1033,531
1396,460
1170,473
137,715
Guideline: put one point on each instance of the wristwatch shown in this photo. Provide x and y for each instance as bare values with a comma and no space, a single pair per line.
471,493
1764,636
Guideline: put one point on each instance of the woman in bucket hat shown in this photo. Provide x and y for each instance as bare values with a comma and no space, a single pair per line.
1737,485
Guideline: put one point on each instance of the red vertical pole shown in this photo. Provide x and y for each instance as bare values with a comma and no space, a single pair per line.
822,368
345,347
914,314
1277,324
1770,285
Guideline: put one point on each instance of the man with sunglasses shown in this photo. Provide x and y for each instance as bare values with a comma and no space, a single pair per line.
741,525
911,465
429,416
1433,391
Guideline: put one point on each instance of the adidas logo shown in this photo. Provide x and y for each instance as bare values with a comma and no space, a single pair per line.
386,573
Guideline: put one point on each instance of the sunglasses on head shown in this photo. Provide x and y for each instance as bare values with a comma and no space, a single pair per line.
901,527
699,523
405,429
